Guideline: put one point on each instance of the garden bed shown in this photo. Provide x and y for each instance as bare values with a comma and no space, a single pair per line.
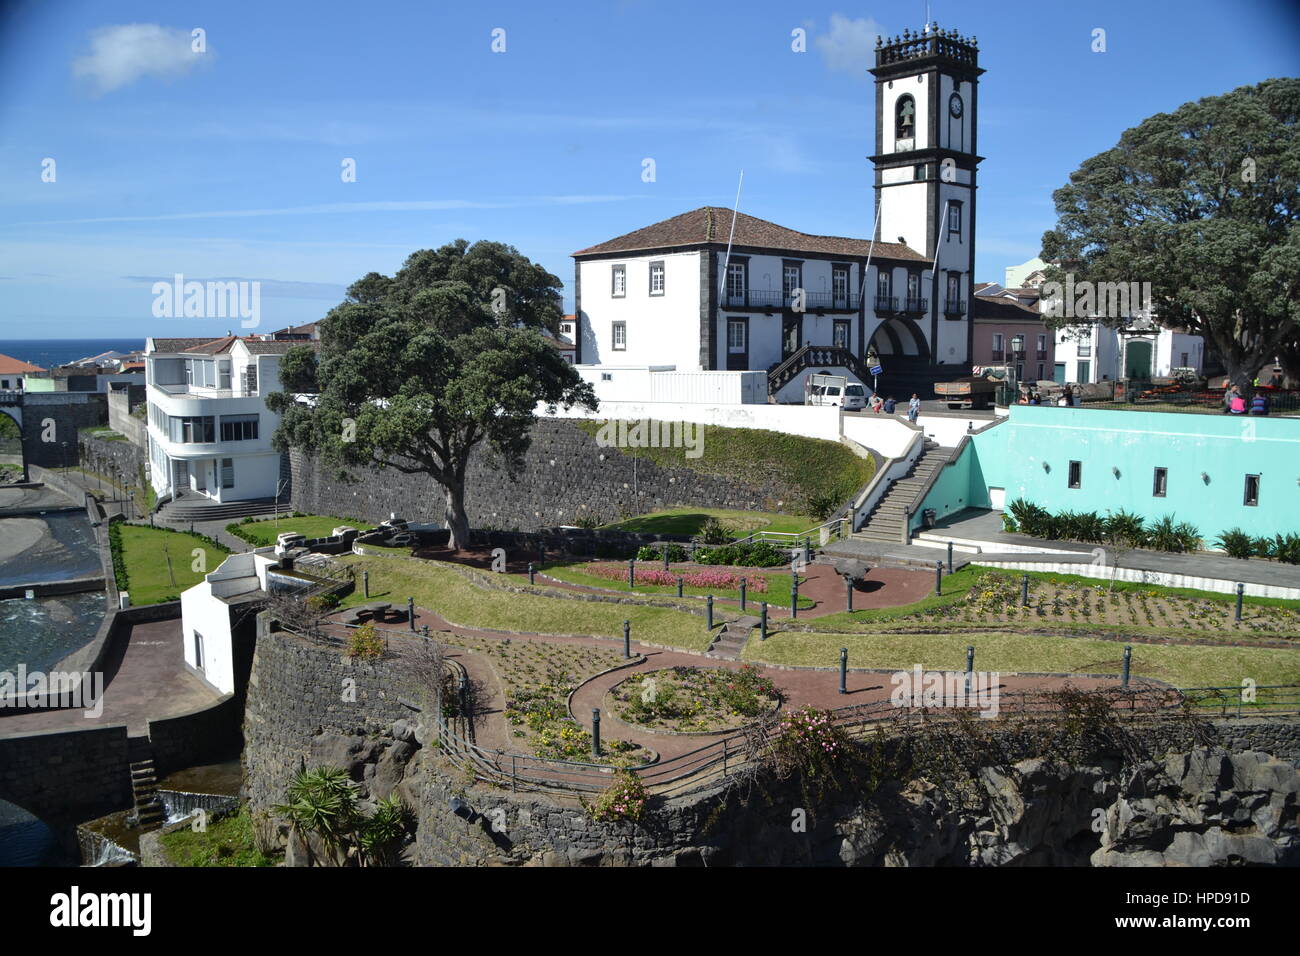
693,699
698,580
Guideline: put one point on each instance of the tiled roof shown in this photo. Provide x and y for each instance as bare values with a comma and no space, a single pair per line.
226,342
712,224
1006,310
12,366
261,347
177,345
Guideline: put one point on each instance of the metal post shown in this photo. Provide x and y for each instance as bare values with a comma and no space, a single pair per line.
794,595
844,669
462,689
1241,590
950,557
426,631
627,639
532,574
848,589
1128,656
631,565
365,583
742,594
541,550
762,622
709,605
410,611
807,550
970,665
1024,590
680,581
595,731
938,577
665,555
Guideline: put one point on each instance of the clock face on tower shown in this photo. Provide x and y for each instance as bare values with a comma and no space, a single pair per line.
954,105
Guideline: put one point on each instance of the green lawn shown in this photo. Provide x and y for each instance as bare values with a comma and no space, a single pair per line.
260,534
227,842
103,433
690,520
778,585
437,587
156,565
1179,664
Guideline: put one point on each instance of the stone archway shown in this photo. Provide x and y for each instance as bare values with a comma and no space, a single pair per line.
11,437
901,339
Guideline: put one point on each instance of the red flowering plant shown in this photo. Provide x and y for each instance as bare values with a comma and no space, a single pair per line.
624,799
808,742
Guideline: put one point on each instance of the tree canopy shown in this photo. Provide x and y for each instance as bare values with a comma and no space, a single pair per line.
416,370
1202,203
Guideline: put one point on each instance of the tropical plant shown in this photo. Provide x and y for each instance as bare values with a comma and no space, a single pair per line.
1124,528
712,532
322,802
380,835
1236,543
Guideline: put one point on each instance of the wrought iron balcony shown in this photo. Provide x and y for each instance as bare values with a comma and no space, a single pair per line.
812,301
954,307
886,304
916,305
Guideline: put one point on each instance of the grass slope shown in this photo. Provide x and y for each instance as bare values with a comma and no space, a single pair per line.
140,561
260,534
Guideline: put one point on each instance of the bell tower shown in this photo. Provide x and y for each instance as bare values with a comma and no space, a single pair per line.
925,169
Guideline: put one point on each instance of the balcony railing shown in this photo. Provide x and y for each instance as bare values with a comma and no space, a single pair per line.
998,355
954,307
200,391
812,301
1041,354
1085,351
886,304
916,305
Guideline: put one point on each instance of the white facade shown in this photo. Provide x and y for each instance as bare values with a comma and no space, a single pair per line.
205,616
625,322
208,425
1094,353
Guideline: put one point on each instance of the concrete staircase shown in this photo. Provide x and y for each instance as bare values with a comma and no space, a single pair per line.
731,638
187,509
148,812
885,523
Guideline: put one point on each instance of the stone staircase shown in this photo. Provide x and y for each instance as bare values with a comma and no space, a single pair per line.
731,638
885,523
186,509
148,810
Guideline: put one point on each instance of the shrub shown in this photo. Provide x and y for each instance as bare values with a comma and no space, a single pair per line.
366,643
1124,527
625,799
1236,543
655,552
821,506
1031,519
1286,548
712,532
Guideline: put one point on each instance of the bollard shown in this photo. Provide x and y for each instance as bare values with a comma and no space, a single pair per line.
665,557
595,731
680,580
426,632
742,594
1024,590
1128,656
627,639
532,574
762,622
631,572
794,596
365,583
709,605
848,589
541,555
410,611
970,665
151,524
938,577
844,670
1241,589
950,557
462,689
807,550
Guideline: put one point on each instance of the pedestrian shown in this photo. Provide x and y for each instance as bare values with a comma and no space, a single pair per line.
890,405
876,404
1259,404
1228,393
1237,404
913,408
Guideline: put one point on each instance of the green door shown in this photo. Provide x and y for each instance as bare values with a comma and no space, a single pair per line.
1137,360
1058,373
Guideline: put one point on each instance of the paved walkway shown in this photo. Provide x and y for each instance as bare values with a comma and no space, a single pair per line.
145,679
22,501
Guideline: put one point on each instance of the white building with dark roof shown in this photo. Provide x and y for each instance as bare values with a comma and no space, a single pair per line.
209,427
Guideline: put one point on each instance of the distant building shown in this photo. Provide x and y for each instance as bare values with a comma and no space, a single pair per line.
14,372
1000,320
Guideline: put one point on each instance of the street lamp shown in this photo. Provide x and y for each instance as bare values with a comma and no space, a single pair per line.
1017,346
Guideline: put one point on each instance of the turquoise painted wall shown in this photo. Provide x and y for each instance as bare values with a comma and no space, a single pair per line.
954,489
1224,448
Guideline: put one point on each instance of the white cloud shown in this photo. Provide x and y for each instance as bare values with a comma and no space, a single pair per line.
120,55
850,46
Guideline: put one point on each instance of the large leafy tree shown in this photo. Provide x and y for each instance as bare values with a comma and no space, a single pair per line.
1202,203
416,370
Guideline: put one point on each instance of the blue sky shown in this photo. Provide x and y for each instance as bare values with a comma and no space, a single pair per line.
227,164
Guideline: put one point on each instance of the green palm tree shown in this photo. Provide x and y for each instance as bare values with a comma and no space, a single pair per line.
322,802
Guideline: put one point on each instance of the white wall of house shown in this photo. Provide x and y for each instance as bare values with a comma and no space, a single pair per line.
660,329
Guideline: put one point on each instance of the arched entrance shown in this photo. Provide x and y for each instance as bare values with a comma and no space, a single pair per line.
12,452
904,355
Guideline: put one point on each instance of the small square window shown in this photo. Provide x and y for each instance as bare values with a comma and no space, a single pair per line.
1076,474
918,171
1161,482
620,336
606,377
1252,490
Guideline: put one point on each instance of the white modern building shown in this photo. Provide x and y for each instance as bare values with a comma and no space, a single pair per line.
209,427
712,290
217,617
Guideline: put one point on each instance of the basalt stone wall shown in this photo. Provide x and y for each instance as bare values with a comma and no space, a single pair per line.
75,774
52,422
566,476
127,457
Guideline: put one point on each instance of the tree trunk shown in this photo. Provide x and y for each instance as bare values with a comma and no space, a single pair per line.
455,517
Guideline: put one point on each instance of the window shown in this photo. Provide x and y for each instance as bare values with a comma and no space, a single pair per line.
840,337
736,334
954,219
223,376
606,377
1076,474
913,286
656,278
1161,482
840,285
198,650
227,473
1040,371
1185,362
882,284
239,427
790,278
1042,347
1085,351
736,280
250,380
1252,490
620,336
918,171
193,430
618,281
997,343
954,303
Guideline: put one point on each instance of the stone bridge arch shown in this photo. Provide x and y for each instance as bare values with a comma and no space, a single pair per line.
11,408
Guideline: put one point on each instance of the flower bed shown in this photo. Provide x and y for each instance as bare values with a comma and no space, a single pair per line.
707,578
694,699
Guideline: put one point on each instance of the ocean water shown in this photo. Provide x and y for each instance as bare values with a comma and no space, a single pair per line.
50,353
